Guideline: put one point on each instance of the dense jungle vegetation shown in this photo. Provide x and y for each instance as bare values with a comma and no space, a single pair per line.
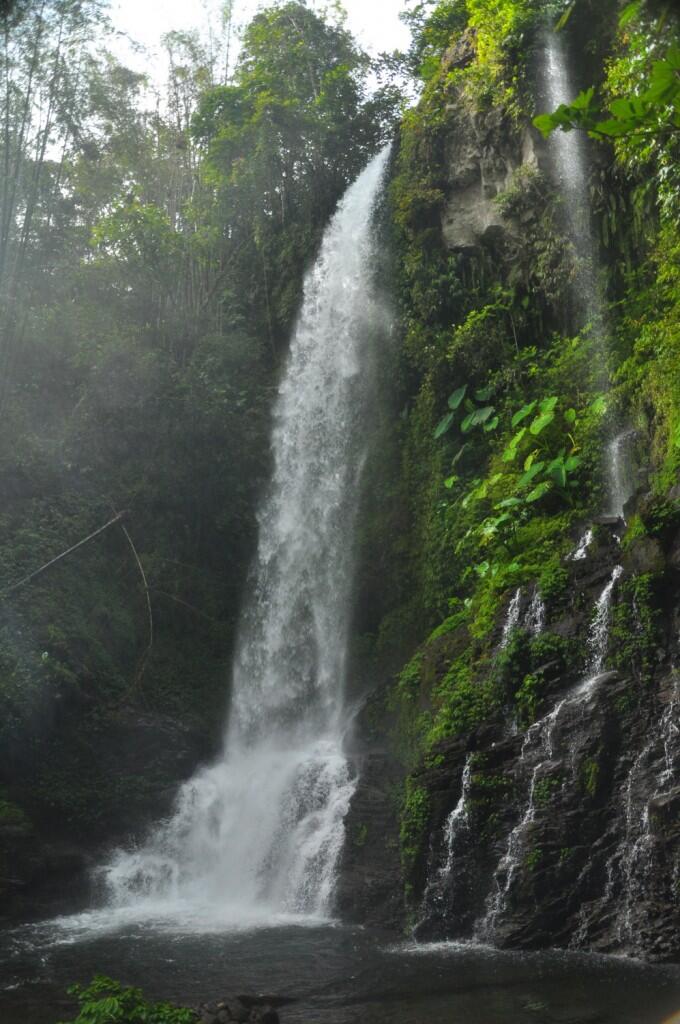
151,263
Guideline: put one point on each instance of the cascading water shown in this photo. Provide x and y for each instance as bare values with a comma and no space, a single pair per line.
536,756
619,463
569,158
436,899
599,629
511,618
535,617
259,833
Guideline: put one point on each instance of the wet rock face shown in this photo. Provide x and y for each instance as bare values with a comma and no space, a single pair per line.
243,1008
370,884
479,169
563,830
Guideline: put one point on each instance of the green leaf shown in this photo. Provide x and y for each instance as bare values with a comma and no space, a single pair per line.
539,491
599,406
570,416
459,454
629,12
510,452
532,472
449,482
457,397
476,418
491,425
444,425
548,404
484,394
565,17
541,422
557,471
525,411
572,463
509,503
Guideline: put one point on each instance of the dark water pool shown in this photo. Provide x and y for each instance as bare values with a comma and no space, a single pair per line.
336,975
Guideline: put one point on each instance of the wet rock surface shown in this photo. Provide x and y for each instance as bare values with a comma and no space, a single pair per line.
262,1009
563,830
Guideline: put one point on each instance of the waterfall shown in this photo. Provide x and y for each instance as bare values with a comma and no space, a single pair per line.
259,832
569,159
536,756
599,629
580,552
535,617
437,896
511,618
620,475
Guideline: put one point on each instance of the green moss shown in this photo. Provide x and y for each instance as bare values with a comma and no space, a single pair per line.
413,827
360,836
533,859
635,627
528,698
590,775
545,789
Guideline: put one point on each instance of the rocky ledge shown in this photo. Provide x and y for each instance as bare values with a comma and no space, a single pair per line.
263,1009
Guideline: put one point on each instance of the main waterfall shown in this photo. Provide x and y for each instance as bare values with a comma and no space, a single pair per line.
258,833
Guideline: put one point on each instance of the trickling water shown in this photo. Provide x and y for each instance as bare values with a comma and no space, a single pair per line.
670,735
580,552
619,465
437,892
512,617
535,620
599,628
259,832
536,755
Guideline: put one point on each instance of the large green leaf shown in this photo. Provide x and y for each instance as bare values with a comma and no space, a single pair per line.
541,422
530,474
476,418
457,397
525,411
510,452
444,424
539,492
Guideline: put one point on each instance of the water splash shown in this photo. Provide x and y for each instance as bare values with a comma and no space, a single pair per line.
259,832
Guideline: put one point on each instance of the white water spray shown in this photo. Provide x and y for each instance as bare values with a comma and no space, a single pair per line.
258,834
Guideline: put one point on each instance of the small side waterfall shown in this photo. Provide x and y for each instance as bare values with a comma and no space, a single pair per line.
619,466
535,759
258,834
437,902
535,617
569,158
599,629
511,618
